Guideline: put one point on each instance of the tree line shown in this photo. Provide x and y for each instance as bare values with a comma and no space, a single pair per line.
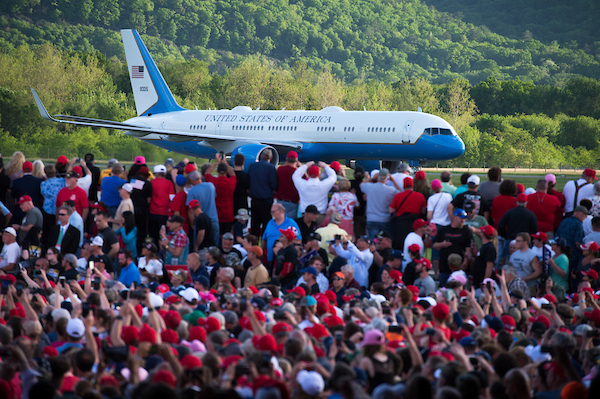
364,39
508,123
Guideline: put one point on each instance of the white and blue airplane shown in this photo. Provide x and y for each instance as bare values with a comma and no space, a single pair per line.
367,137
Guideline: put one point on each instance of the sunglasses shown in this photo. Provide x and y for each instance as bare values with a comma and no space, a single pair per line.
337,278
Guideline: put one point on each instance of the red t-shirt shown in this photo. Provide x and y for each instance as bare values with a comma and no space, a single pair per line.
178,205
76,195
413,204
501,205
544,207
161,191
286,190
224,186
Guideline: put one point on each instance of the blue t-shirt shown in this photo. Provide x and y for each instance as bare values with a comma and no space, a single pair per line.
205,193
49,190
272,233
110,192
129,275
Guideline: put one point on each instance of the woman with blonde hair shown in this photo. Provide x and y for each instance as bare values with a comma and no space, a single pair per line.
14,169
38,170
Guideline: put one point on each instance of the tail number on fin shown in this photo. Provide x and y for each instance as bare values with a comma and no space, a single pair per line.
143,88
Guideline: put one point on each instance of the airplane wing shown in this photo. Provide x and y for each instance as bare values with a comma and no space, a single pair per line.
141,131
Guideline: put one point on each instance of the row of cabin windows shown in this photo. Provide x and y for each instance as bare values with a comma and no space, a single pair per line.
197,127
434,131
348,129
256,127
381,129
325,128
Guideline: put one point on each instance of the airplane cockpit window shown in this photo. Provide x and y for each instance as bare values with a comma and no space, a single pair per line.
434,131
446,132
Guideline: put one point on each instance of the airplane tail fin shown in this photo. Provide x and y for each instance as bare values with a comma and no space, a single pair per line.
150,91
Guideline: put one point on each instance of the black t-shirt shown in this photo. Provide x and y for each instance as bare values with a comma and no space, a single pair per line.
479,200
140,197
110,238
240,194
93,195
71,274
410,273
461,239
374,274
203,223
487,253
241,230
4,186
360,210
285,255
304,229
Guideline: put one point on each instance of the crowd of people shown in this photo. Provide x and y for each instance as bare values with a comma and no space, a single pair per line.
294,281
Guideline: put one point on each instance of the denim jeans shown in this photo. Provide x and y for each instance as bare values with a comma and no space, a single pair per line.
373,228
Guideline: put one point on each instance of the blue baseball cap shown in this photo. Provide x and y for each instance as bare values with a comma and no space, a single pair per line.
310,270
467,341
310,300
460,213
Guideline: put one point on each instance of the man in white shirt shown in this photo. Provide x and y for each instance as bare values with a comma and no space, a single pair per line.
525,262
420,234
575,191
11,250
402,172
313,191
126,204
379,197
84,181
359,256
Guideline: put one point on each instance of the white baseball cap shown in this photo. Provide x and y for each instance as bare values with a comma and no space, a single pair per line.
11,230
189,294
75,328
160,169
97,241
473,179
311,382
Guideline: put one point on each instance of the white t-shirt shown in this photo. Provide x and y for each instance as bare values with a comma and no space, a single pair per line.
10,254
569,192
154,267
85,183
411,238
399,177
438,203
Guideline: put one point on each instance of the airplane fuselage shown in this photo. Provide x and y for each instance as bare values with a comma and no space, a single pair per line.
331,133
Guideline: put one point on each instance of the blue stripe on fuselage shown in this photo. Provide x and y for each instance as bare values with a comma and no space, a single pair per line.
426,148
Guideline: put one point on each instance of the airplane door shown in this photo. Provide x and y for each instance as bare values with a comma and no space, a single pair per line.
406,131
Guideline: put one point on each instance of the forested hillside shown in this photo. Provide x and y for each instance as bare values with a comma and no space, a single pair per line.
573,23
361,39
515,102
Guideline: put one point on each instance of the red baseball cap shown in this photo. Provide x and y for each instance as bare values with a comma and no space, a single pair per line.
265,343
590,172
408,182
417,224
194,203
27,166
415,291
77,169
24,198
292,155
166,377
589,246
522,198
420,175
414,247
540,235
440,311
509,322
190,362
189,168
62,160
317,331
314,171
594,315
298,290
396,275
335,165
333,321
288,233
425,262
542,319
276,302
488,230
197,332
591,273
169,336
551,298
281,328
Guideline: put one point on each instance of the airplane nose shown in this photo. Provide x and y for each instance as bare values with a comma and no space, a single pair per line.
457,147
